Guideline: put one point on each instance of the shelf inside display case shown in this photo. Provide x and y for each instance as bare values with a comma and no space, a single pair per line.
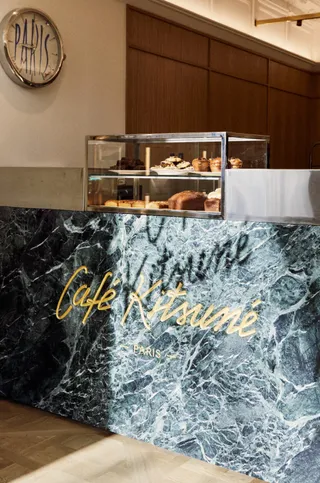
162,212
126,174
168,174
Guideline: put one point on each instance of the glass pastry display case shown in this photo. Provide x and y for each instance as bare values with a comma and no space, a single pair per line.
168,174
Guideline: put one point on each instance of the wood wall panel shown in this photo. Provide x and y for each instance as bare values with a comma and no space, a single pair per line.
289,130
237,105
315,121
173,84
163,38
239,63
164,95
315,131
289,79
316,85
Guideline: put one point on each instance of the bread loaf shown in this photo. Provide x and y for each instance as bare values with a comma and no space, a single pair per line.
214,204
187,200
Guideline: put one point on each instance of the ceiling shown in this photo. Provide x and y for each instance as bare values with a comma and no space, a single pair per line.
306,5
303,41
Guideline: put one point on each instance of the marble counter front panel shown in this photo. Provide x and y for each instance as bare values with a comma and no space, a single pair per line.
199,336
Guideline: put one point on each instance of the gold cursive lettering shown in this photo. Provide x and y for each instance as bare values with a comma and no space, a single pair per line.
224,317
82,301
248,321
81,296
65,290
96,300
135,297
166,306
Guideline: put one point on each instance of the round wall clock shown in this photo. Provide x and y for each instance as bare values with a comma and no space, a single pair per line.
31,48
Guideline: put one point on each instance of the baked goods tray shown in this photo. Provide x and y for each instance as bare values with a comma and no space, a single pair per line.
184,173
158,212
126,172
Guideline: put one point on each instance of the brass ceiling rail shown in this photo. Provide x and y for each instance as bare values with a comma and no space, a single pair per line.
293,18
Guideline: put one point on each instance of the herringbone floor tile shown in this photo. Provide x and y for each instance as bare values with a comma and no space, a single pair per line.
37,447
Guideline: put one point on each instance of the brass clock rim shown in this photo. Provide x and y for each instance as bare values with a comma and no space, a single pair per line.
8,20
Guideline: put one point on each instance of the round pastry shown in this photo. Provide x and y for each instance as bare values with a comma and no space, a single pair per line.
213,203
112,203
201,164
187,200
215,164
235,163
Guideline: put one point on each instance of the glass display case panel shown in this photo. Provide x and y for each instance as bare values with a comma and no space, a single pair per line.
167,174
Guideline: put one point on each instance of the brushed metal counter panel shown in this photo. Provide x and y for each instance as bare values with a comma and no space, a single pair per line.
279,196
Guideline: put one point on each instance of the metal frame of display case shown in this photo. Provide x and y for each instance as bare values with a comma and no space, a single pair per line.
222,137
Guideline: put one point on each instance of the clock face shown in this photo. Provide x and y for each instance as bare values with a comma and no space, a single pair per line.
33,48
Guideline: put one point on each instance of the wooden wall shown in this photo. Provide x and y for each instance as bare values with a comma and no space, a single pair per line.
181,80
315,120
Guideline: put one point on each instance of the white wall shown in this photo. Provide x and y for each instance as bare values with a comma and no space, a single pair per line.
47,127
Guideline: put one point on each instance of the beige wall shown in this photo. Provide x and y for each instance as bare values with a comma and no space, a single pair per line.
47,127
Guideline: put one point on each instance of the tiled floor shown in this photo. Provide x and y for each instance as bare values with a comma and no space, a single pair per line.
36,447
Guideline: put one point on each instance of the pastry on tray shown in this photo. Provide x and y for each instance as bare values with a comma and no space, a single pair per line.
153,205
235,163
215,164
129,164
187,200
112,203
174,162
138,204
183,165
201,164
213,202
125,203
157,205
171,162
